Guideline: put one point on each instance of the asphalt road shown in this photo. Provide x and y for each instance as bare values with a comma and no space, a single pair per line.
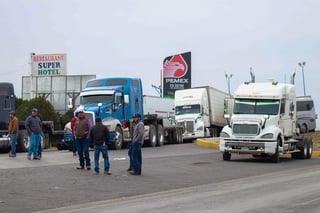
179,178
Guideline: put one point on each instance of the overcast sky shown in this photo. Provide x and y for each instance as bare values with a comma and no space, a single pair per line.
131,38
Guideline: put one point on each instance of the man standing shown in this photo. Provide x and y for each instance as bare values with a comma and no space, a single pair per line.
13,132
34,126
136,143
82,130
100,137
72,123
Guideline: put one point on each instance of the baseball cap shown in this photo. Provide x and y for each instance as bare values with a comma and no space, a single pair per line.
35,110
12,112
137,115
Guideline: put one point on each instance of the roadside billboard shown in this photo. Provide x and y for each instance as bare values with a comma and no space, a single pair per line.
176,73
48,64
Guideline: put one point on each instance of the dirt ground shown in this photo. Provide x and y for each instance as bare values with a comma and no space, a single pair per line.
316,140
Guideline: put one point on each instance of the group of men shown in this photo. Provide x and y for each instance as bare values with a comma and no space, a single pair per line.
33,126
99,134
83,132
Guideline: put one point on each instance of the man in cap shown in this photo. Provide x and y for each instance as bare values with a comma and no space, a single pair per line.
13,132
136,143
82,130
34,127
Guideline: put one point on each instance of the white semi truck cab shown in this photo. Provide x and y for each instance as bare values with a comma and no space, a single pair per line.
264,124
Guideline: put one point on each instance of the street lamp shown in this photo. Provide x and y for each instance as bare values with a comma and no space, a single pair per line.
302,64
228,81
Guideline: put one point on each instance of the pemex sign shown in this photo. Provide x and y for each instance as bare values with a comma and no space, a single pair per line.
176,73
48,64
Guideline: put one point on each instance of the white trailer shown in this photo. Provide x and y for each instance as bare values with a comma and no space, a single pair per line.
263,123
160,126
200,111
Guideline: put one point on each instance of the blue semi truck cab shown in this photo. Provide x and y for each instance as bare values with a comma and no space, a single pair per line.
117,100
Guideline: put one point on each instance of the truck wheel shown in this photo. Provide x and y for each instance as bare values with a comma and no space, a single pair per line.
226,156
303,129
179,134
310,147
60,146
275,158
118,139
152,136
303,147
23,141
160,138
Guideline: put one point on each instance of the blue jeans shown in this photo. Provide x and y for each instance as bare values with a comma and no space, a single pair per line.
136,156
83,151
104,151
130,155
13,140
34,145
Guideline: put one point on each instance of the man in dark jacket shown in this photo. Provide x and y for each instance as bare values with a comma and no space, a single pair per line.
100,137
136,143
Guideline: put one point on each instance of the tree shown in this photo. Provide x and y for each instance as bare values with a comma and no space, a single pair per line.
46,110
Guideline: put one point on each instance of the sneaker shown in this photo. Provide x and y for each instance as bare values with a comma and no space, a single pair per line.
36,158
29,157
129,169
108,173
80,167
12,155
88,167
96,173
134,173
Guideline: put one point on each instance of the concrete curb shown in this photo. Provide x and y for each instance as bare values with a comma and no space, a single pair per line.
215,145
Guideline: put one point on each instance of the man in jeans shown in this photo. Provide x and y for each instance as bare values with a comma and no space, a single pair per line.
82,130
13,132
100,137
34,127
136,143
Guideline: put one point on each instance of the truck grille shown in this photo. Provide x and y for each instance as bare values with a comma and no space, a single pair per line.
187,126
248,129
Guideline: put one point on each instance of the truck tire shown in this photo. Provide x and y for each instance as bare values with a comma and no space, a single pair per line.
275,158
118,139
303,128
303,147
179,136
160,135
23,141
226,156
310,147
152,136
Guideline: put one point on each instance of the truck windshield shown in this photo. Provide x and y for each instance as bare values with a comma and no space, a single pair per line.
91,99
188,109
256,106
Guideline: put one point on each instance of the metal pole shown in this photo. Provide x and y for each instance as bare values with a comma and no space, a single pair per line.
302,64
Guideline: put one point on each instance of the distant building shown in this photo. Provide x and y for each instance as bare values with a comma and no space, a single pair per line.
57,89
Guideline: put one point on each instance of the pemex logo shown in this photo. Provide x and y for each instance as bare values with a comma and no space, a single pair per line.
176,67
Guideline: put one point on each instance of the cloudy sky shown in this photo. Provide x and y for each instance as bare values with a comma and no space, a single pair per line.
131,38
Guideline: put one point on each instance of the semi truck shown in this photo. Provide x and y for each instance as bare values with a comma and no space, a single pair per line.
200,111
117,100
7,104
263,123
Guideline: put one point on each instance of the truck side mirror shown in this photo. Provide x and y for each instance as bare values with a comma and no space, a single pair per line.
227,117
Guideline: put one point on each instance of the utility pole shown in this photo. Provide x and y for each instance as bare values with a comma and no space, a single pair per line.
302,64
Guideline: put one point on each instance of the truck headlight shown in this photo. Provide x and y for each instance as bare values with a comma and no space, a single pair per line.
268,136
224,135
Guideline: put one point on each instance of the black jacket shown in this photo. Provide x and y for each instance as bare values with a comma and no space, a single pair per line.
99,134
